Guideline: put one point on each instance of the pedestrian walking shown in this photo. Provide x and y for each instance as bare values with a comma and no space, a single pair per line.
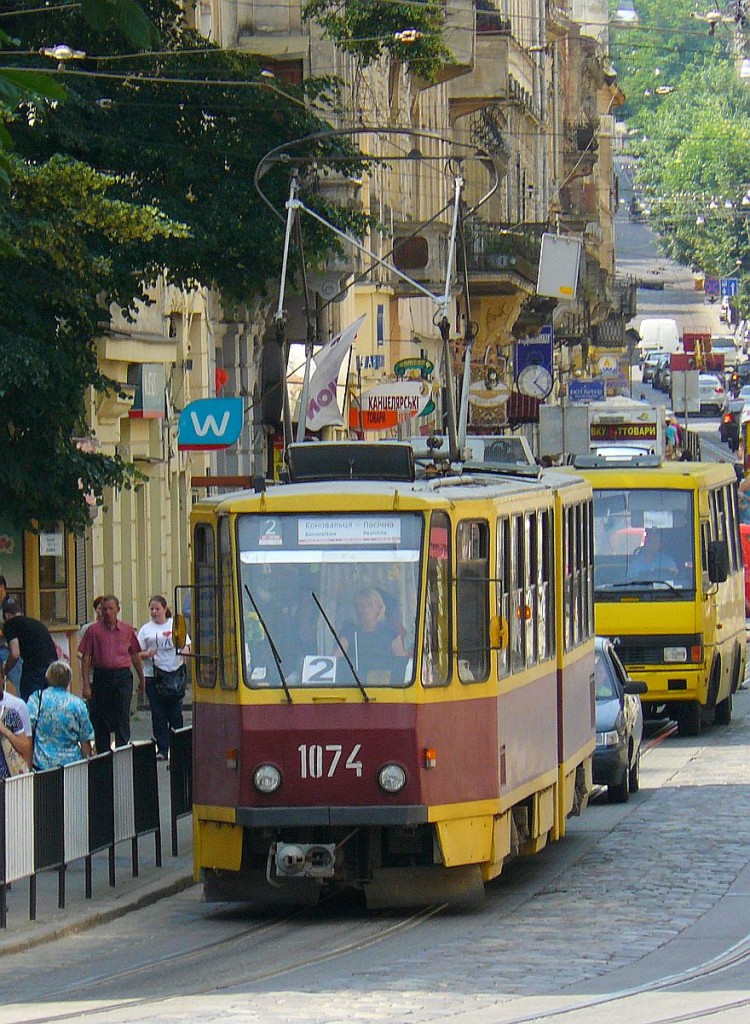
165,671
97,605
60,721
111,647
31,640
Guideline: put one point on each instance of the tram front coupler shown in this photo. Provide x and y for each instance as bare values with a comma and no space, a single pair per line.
300,860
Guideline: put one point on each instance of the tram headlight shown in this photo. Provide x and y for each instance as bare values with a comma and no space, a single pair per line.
392,778
675,654
267,778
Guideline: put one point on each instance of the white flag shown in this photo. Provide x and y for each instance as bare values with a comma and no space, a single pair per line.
322,407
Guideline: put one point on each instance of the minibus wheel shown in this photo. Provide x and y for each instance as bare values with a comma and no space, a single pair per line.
723,711
689,719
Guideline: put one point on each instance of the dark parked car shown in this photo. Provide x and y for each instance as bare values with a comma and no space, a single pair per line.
619,725
662,379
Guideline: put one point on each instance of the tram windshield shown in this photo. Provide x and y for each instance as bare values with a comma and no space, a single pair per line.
643,542
326,590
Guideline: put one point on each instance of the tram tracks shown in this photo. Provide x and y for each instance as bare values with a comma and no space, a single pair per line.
238,972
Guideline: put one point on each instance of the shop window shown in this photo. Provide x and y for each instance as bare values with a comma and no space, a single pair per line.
11,560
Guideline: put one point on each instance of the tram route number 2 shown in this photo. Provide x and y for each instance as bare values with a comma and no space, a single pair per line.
316,760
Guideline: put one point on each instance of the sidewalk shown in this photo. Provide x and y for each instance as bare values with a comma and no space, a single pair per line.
106,903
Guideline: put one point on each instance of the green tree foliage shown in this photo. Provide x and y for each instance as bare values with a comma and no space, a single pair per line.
184,129
146,167
690,126
64,221
654,54
694,167
409,32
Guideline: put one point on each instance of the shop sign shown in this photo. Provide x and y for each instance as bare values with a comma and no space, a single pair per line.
415,367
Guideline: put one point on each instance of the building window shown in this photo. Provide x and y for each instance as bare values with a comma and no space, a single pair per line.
53,576
11,560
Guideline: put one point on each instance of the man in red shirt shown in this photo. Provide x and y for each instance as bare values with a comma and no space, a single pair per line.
112,648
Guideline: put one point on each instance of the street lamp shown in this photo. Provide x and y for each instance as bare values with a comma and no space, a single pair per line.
625,14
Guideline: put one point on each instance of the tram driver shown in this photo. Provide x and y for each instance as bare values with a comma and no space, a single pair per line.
372,640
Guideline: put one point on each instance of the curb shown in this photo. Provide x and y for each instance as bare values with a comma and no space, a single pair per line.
144,897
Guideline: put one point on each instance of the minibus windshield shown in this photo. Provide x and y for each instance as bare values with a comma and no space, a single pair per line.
643,541
361,570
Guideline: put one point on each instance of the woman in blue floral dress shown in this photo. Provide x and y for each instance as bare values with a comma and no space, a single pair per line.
60,721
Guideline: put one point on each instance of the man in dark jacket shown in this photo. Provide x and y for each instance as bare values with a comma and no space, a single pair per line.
29,639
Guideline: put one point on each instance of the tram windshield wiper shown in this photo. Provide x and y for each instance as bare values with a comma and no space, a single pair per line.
271,644
336,637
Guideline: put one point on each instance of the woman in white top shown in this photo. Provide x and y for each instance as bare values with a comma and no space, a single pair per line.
165,671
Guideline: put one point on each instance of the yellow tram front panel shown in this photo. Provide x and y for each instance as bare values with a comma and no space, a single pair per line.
324,750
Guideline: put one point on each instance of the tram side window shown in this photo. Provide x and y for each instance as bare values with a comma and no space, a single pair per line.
204,614
472,600
436,660
530,608
227,623
587,569
502,590
517,622
577,581
545,578
569,580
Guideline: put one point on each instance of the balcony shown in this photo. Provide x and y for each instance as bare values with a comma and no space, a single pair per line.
460,37
487,82
581,149
502,260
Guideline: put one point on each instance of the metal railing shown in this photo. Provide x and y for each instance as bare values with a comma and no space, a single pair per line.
52,818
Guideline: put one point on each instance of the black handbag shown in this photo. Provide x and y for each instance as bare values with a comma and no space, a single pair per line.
170,684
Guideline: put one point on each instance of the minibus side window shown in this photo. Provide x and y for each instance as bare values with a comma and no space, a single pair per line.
472,600
705,538
735,553
204,610
436,659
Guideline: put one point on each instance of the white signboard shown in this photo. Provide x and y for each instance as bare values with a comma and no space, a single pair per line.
558,266
51,544
685,394
408,397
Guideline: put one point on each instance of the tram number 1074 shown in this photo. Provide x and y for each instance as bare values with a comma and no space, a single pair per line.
316,760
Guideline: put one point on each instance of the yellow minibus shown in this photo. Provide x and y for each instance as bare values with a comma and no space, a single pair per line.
668,582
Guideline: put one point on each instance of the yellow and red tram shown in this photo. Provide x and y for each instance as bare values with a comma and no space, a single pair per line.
393,686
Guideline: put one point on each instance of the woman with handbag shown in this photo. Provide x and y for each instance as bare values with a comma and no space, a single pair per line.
165,671
62,729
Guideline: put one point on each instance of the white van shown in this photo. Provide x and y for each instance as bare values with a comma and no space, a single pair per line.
658,333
